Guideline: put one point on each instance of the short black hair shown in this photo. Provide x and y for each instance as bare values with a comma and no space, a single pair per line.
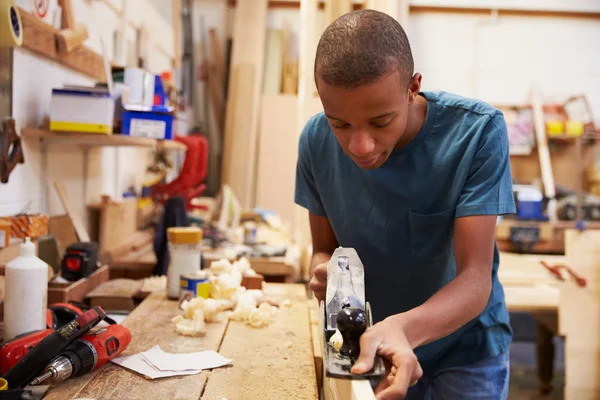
360,47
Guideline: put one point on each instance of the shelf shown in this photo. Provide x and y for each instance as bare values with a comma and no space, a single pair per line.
99,140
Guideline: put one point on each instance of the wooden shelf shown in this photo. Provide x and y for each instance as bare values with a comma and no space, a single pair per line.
99,140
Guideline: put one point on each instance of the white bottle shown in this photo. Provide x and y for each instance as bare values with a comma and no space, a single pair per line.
26,293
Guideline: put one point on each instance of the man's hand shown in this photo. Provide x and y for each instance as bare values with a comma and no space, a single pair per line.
388,340
318,282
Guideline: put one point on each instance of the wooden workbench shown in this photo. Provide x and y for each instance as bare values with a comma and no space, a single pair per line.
276,362
140,264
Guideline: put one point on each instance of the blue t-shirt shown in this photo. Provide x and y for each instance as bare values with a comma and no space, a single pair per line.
400,216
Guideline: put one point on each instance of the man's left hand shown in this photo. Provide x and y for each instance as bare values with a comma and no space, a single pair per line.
388,340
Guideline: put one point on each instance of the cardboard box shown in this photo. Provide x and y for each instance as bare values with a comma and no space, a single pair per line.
147,124
83,110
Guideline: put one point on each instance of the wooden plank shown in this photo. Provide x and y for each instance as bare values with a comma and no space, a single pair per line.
579,315
275,362
82,233
150,324
274,63
241,125
336,8
40,38
90,139
544,153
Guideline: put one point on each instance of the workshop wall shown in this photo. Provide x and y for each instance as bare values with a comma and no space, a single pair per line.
498,59
33,80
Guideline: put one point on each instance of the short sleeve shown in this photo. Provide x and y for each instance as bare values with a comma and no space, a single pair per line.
488,188
306,192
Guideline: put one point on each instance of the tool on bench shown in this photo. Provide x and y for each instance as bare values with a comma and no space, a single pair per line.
87,353
58,315
38,357
345,309
80,260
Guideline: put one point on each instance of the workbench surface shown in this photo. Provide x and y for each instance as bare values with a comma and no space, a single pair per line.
276,362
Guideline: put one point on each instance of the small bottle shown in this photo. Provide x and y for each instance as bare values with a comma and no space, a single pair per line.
26,297
344,295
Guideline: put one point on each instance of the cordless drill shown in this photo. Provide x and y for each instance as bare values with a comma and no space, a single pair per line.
86,354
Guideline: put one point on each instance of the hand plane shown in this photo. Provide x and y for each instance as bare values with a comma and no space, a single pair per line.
345,310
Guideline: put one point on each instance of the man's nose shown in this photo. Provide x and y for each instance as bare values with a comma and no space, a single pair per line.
361,144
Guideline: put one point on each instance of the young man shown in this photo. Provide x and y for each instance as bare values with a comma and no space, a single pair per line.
414,181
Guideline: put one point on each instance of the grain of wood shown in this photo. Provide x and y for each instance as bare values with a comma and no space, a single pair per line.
150,324
275,362
241,126
77,223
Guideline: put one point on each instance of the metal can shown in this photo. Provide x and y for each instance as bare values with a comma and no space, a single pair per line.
196,284
250,234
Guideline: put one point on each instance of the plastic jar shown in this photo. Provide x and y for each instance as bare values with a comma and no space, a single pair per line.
185,256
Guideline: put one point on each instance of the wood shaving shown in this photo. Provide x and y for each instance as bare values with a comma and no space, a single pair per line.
154,283
336,340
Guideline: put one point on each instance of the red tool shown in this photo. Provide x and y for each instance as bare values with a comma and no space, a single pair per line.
86,354
15,349
57,315
38,357
555,270
190,182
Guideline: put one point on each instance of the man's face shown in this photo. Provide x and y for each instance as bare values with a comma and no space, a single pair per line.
369,121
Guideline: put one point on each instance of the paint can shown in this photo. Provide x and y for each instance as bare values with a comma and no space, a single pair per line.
196,284
250,233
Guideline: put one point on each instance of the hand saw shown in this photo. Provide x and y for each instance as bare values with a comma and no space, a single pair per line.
345,309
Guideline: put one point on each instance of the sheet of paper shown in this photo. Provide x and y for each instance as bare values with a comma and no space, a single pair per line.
139,364
184,361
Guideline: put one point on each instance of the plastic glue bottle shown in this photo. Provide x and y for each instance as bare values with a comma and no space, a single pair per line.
25,300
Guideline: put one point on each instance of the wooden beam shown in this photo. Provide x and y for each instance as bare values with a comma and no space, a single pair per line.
176,33
579,312
243,106
345,389
336,8
41,38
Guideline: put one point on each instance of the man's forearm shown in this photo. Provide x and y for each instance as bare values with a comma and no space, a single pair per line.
457,303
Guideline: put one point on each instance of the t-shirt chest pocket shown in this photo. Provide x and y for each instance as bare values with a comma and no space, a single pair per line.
430,235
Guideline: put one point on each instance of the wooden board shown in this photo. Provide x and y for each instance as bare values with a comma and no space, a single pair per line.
90,139
580,317
40,38
278,152
117,222
243,105
150,325
276,362
274,61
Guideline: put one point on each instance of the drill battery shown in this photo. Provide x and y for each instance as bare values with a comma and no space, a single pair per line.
80,260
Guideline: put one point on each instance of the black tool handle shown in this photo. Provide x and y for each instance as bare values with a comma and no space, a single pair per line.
34,362
352,323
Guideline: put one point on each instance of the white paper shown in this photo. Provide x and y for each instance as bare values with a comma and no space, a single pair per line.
184,361
138,364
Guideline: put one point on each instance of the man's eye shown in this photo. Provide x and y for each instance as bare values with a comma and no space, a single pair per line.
340,126
381,125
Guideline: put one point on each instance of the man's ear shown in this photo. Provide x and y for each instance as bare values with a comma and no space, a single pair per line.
414,87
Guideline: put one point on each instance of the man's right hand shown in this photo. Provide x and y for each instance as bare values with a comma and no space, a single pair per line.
318,282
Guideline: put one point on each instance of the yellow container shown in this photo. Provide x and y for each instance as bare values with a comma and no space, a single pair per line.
3,384
555,128
574,129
